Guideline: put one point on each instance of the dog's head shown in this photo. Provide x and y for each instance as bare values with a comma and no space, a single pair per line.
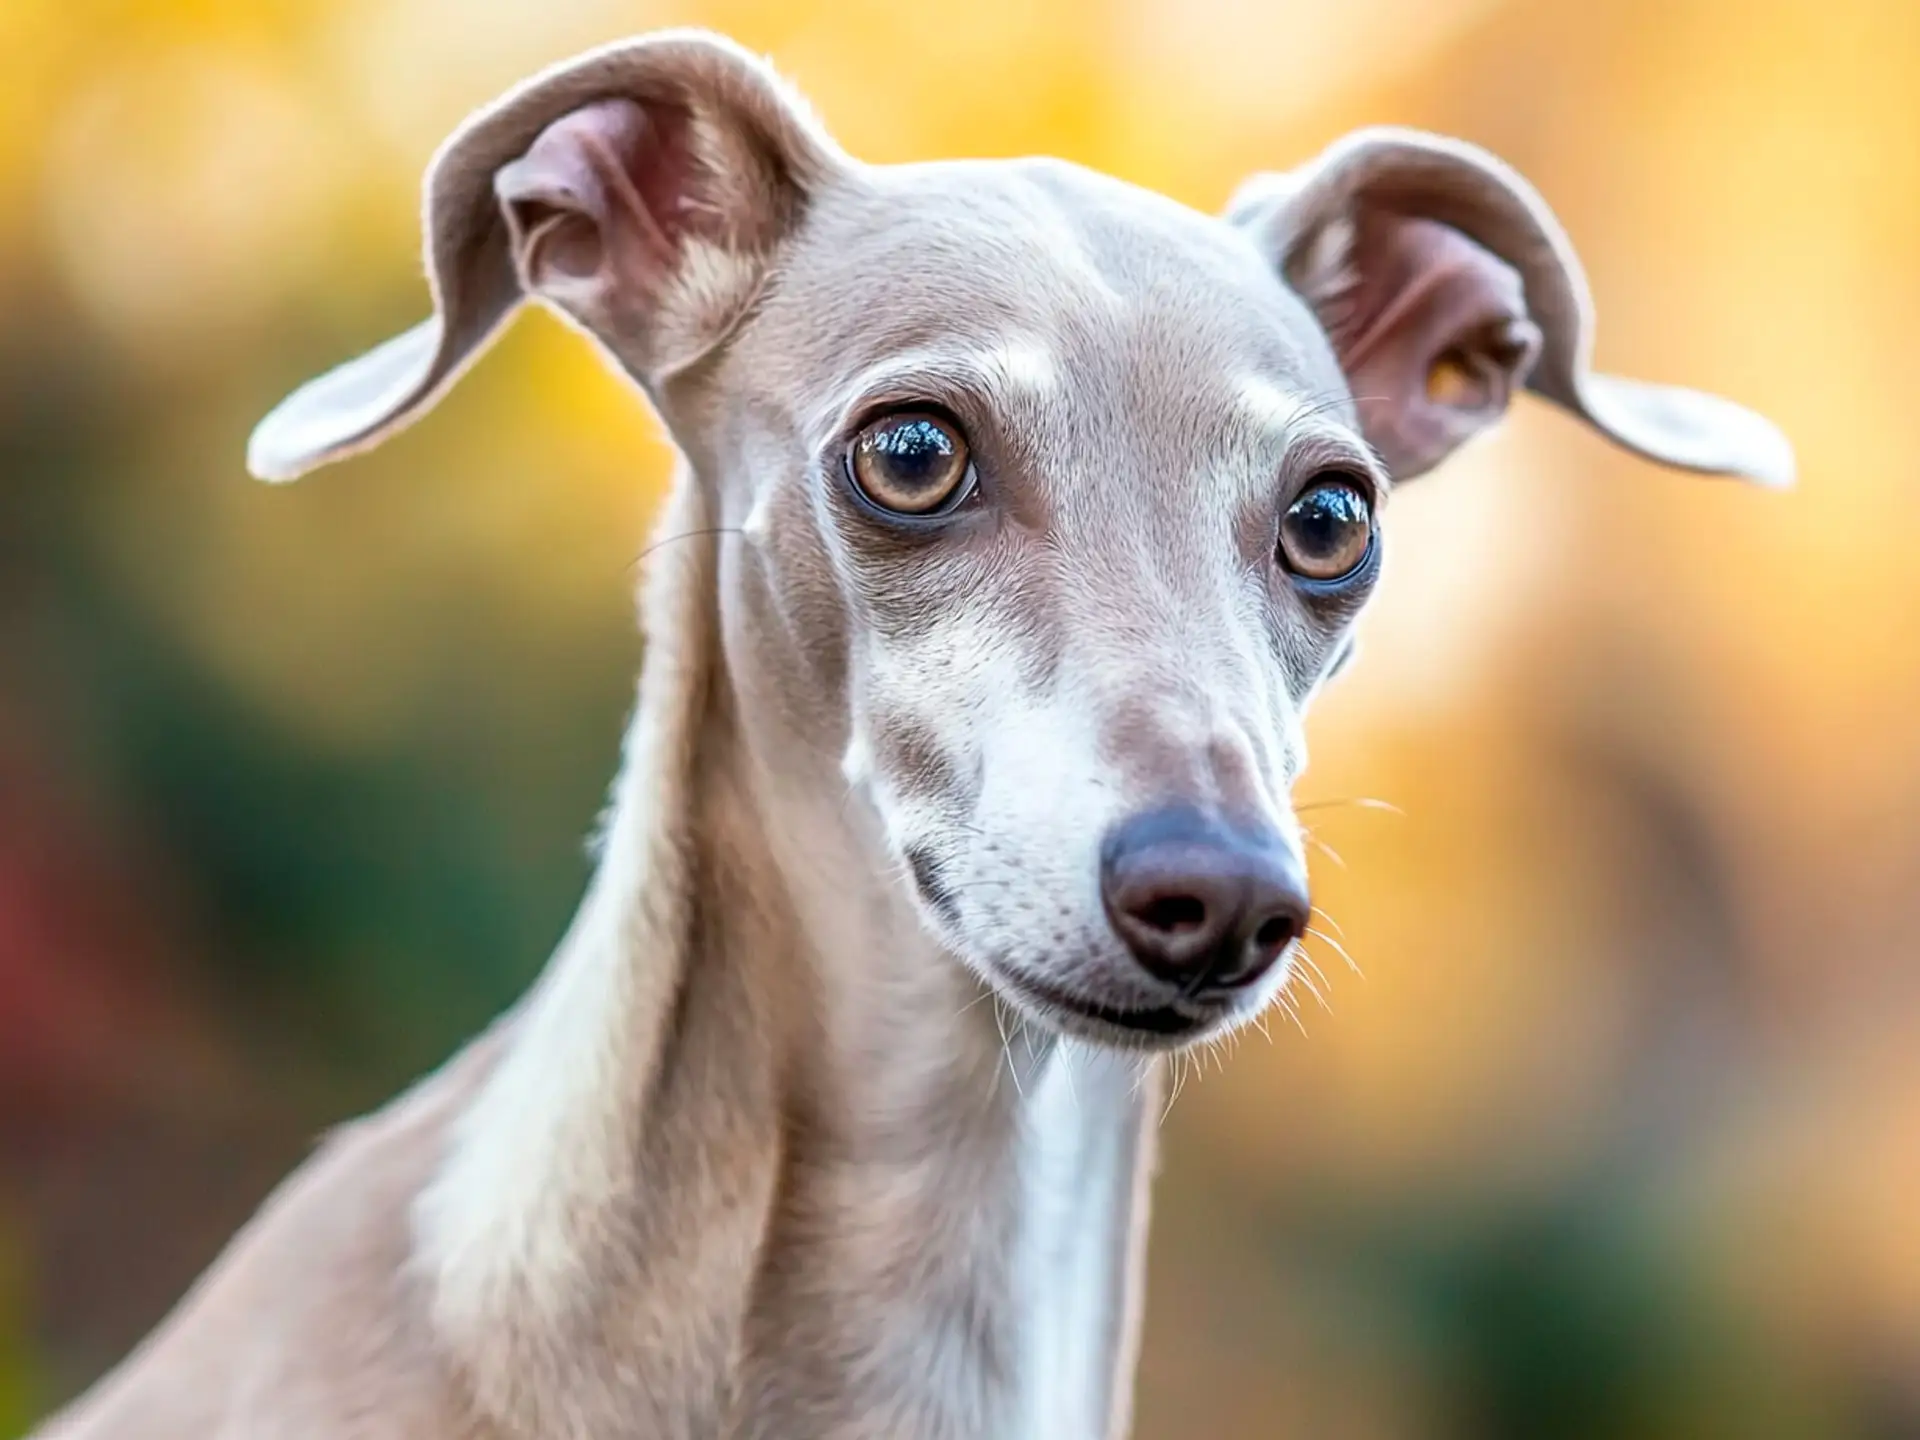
1051,502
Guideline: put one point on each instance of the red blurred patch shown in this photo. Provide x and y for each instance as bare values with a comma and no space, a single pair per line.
85,944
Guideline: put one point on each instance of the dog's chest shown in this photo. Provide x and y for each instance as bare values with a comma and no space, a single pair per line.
1076,1244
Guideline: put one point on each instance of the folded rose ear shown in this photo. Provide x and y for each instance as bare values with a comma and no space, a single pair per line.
1444,283
642,188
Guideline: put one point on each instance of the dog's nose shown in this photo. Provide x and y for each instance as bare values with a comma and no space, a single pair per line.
1202,904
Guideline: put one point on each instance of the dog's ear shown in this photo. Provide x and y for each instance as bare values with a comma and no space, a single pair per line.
1444,283
642,188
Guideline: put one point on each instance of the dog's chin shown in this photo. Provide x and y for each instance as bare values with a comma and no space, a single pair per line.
1172,1026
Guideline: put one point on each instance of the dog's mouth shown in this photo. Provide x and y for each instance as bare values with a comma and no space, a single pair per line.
1134,1028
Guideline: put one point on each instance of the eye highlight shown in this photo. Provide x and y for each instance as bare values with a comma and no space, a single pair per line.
912,463
1327,533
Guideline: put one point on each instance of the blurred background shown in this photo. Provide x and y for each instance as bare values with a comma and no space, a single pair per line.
1618,1135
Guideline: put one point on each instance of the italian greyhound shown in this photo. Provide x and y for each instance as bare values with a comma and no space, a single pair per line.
1020,514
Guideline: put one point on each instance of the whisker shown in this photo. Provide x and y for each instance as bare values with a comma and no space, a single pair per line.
1325,849
666,540
1140,1079
1006,1050
1358,802
1323,403
1287,1006
1173,1090
1313,990
1338,949
1300,951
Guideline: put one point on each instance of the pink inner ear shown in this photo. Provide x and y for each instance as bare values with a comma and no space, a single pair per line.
1419,300
659,163
608,182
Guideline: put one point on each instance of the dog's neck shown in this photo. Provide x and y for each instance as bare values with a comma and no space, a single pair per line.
755,1158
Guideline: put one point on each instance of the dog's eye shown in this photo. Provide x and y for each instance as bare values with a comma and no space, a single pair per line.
911,464
1327,532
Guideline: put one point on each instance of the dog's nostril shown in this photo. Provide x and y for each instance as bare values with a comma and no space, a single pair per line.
1275,933
1174,914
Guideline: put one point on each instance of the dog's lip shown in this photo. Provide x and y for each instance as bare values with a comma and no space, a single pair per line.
1165,1021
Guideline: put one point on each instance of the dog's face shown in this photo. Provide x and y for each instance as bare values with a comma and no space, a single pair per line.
1054,497
1051,502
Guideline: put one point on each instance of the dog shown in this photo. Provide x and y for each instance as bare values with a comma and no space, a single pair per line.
1021,514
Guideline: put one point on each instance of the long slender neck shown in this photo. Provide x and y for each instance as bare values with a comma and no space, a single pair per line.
756,1159
952,1250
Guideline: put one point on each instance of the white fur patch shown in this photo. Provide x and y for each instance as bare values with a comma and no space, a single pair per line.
856,763
1266,404
759,519
1082,1137
1027,365
1017,364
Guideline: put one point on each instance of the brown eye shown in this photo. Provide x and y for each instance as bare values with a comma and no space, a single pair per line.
911,464
1327,532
